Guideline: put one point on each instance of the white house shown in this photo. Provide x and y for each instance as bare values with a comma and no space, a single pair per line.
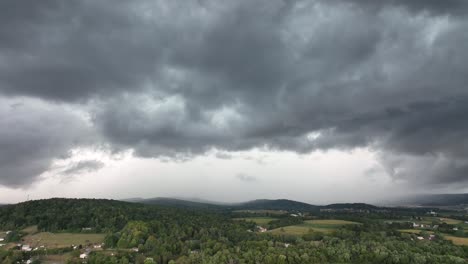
26,248
84,256
2,239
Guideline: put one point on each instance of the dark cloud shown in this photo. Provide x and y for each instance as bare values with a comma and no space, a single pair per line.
171,79
32,135
83,166
451,7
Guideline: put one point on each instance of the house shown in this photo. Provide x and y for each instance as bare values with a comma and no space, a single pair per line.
135,249
420,238
2,239
261,229
7,232
1,245
294,215
415,225
455,229
431,237
84,256
26,248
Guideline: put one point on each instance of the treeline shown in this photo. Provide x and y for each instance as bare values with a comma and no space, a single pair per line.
147,234
353,244
81,215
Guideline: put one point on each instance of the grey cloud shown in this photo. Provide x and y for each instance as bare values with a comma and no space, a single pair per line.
177,80
454,7
83,166
245,178
32,135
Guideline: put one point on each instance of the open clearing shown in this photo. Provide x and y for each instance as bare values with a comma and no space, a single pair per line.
30,230
324,226
415,231
55,259
58,240
451,221
258,220
272,212
461,241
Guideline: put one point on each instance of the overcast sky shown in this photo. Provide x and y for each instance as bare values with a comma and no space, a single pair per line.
319,101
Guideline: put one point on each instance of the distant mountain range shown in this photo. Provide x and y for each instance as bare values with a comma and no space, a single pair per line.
260,204
426,200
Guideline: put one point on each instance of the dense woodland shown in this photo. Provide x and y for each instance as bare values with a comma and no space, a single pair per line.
173,235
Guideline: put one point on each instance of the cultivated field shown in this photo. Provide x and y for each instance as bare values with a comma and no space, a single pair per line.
273,212
30,230
324,226
258,220
58,240
461,241
415,231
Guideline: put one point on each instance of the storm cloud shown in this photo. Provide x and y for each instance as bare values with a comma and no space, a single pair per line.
178,79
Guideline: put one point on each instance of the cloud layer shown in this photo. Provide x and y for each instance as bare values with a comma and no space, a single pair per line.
170,79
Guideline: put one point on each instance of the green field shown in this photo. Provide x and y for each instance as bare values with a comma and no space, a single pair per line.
58,240
30,230
258,220
451,221
414,231
461,241
324,226
272,212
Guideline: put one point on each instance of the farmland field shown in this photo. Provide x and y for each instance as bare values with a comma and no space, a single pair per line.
57,240
325,226
258,220
451,221
415,231
461,241
273,212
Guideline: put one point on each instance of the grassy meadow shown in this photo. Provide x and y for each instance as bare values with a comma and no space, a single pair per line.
324,226
257,220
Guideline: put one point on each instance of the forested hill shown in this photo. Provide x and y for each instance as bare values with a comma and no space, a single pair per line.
74,214
281,204
261,204
355,206
179,203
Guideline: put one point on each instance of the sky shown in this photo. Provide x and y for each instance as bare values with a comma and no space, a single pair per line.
320,101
